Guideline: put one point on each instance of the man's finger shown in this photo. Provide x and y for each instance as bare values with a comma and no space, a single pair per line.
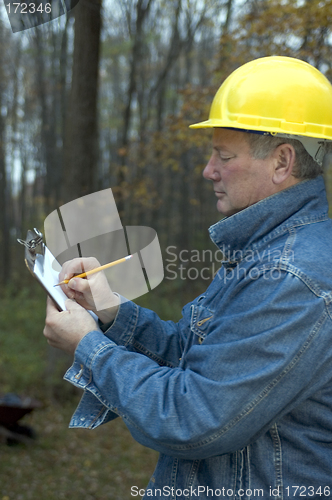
79,285
70,268
51,307
77,266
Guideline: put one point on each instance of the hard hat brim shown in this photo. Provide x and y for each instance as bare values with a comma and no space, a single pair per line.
205,124
308,132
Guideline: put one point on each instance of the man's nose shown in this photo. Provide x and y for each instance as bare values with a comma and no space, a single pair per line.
211,172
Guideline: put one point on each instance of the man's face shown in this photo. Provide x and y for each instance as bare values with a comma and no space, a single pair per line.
238,179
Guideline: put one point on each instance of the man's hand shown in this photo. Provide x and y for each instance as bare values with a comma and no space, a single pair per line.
65,329
87,292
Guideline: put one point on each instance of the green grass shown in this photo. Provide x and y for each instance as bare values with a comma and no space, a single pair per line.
23,349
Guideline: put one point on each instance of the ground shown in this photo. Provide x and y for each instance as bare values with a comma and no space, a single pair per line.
73,464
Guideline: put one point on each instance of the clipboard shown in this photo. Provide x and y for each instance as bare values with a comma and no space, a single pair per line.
43,266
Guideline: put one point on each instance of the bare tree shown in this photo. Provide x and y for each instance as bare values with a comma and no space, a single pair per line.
4,187
80,150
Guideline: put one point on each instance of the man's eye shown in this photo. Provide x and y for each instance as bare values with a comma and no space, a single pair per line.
223,158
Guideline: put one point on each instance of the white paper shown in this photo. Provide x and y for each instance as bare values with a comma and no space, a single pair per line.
47,270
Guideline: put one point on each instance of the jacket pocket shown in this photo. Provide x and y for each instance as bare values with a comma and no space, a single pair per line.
200,321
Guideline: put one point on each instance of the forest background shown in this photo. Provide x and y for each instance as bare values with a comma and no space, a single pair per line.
101,98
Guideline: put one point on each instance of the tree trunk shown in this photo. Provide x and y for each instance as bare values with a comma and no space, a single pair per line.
48,130
142,11
80,151
4,199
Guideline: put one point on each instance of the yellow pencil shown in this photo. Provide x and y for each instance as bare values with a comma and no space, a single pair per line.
92,271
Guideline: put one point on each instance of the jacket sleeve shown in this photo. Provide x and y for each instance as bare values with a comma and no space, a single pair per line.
268,349
141,330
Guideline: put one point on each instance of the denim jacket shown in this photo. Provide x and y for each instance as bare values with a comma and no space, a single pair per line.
236,396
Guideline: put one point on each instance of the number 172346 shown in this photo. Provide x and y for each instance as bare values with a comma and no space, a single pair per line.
28,8
308,491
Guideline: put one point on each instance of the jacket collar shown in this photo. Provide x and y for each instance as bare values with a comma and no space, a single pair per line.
302,203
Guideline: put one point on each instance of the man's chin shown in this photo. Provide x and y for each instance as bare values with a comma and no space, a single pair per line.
225,210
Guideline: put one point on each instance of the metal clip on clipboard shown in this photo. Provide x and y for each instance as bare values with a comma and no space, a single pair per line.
33,246
40,262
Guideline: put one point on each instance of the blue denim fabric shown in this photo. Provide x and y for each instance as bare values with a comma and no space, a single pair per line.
236,396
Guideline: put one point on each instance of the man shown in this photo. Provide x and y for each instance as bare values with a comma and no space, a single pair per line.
237,396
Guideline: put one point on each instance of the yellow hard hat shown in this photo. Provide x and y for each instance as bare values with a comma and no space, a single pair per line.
277,95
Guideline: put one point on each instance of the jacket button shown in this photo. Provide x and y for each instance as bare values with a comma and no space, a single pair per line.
200,340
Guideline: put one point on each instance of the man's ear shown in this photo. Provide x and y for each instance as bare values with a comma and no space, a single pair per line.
284,156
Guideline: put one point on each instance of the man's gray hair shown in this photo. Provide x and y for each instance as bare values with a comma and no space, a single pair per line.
305,166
